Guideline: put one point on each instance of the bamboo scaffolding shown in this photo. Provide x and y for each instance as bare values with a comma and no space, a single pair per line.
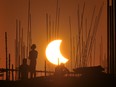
108,30
70,42
16,49
21,50
90,58
58,23
16,42
73,51
94,54
101,52
19,44
12,73
56,20
29,35
88,38
76,60
30,32
95,27
22,53
86,29
45,68
47,28
82,16
6,55
53,30
50,29
79,36
9,66
114,32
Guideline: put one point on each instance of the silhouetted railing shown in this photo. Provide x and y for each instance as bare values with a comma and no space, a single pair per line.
15,73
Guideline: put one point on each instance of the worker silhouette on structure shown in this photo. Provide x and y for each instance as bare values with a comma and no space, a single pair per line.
23,70
61,70
33,57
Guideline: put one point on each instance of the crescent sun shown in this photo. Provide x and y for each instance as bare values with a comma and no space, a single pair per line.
53,53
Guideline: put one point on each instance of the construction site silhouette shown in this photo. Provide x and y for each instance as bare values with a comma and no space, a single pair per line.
85,74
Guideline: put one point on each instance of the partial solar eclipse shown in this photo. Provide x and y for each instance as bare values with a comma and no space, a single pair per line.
53,53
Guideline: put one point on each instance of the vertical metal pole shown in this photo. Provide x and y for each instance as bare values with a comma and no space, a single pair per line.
45,68
30,33
47,27
19,45
108,52
111,41
50,38
6,56
114,20
16,49
56,21
12,73
9,65
70,41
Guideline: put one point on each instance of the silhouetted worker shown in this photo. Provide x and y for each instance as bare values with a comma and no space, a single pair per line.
33,56
23,70
61,70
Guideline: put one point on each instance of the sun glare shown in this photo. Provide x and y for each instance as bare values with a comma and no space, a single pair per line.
53,53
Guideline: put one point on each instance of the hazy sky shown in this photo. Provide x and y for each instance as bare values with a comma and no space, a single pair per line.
10,10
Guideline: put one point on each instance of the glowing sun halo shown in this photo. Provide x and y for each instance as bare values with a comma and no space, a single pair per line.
53,53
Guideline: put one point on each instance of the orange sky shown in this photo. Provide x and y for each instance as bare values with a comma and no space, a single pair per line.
10,10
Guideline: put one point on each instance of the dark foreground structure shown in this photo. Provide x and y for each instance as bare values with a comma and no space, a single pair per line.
101,80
